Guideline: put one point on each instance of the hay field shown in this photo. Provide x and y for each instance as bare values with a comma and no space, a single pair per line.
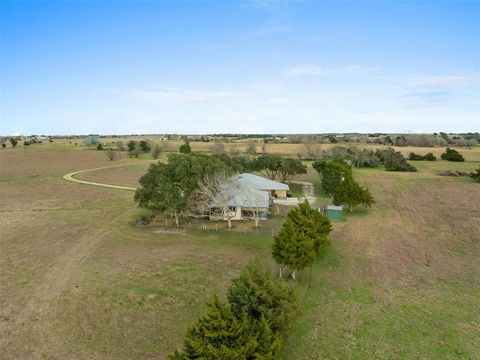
79,281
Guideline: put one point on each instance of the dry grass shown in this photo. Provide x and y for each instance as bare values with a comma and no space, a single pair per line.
79,281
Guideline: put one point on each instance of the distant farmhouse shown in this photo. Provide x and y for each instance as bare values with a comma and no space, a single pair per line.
247,196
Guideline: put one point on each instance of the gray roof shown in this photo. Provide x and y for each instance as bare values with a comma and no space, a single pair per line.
235,193
334,207
259,183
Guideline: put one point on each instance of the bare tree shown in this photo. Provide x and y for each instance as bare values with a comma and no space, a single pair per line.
213,196
218,148
251,148
255,205
110,154
309,147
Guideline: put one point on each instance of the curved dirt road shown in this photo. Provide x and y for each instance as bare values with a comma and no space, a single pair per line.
70,177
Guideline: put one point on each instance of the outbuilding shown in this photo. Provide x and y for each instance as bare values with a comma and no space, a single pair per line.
334,212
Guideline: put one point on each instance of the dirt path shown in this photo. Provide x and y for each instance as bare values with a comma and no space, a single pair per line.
70,177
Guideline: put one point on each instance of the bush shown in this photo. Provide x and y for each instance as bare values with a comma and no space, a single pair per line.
384,153
397,162
429,157
99,146
4,145
415,157
476,175
157,150
185,149
452,155
144,216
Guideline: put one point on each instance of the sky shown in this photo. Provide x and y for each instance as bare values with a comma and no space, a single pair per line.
239,67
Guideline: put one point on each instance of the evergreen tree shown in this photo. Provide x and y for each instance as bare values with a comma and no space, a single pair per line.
259,295
350,193
221,335
185,148
301,237
332,172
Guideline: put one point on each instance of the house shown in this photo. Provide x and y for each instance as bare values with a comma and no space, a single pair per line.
274,188
247,197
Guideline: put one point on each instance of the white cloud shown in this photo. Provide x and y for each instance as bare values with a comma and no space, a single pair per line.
442,82
181,94
316,70
277,101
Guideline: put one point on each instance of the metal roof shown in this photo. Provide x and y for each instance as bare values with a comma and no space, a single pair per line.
235,193
334,207
259,182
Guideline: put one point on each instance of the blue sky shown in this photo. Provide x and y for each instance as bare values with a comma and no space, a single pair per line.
239,67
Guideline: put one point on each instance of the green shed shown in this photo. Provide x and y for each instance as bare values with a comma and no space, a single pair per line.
334,213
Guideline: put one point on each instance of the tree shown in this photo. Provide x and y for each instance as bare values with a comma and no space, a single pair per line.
220,334
350,193
309,147
120,145
110,154
166,187
185,148
332,172
135,151
476,175
214,193
99,146
397,162
160,192
132,144
275,166
218,148
13,141
452,155
157,150
259,295
304,232
251,148
145,146
415,157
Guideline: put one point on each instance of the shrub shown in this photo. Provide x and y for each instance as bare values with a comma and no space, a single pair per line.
415,157
397,162
476,175
452,155
185,149
429,157
384,153
144,216
157,150
4,145
99,146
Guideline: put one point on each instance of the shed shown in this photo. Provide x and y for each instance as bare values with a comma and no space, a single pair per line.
334,213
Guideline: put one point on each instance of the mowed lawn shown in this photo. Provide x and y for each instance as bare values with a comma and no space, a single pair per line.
400,280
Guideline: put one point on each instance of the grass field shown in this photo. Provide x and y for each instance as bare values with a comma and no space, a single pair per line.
399,281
